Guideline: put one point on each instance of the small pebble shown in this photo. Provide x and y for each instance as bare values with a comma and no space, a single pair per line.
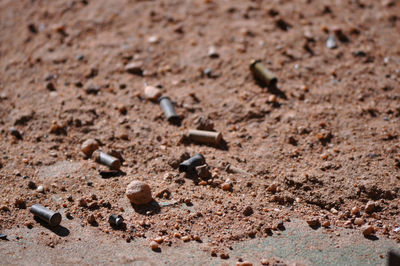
368,230
154,245
91,219
138,193
152,93
331,42
134,68
186,238
313,222
40,189
355,211
159,240
248,211
370,207
226,186
358,221
326,224
31,184
15,132
89,146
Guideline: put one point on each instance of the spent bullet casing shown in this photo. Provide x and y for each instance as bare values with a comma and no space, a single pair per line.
103,158
168,109
262,73
190,164
203,136
115,220
50,217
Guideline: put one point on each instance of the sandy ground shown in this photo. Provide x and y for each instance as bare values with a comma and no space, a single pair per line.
321,146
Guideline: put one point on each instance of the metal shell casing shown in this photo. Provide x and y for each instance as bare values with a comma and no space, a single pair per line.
108,160
168,109
50,217
262,73
203,136
190,164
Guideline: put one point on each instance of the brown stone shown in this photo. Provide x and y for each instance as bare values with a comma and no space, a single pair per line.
89,146
138,193
152,93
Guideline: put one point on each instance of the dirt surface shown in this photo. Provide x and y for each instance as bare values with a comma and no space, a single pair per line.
322,144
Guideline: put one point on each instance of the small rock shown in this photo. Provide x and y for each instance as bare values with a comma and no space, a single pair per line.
244,263
89,146
153,39
313,222
154,245
186,238
340,35
3,236
91,219
138,193
50,86
159,240
326,224
20,203
134,68
15,132
82,202
226,186
248,211
203,123
31,184
370,207
40,189
358,221
212,52
92,89
331,42
203,171
355,210
174,162
368,230
152,93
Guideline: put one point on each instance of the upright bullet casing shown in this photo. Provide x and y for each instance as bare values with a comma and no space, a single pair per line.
108,160
50,217
115,220
190,164
203,136
168,109
262,73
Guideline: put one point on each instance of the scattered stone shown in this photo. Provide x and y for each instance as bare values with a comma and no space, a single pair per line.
227,186
358,221
248,211
91,219
203,123
92,89
326,224
82,202
50,86
244,263
313,222
139,193
152,93
186,238
40,189
153,39
93,72
175,162
331,42
23,116
340,35
282,24
368,230
370,207
31,185
159,240
224,256
15,132
355,210
89,146
57,128
154,245
212,52
203,171
135,68
20,203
